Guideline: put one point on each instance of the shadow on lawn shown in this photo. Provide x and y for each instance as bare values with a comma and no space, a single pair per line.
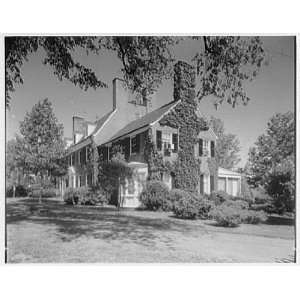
99,223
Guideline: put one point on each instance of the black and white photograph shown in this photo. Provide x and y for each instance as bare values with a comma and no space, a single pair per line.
150,148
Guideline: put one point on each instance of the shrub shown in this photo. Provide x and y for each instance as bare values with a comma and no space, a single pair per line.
186,206
226,215
92,196
204,205
85,196
21,191
155,196
71,196
237,203
253,217
218,197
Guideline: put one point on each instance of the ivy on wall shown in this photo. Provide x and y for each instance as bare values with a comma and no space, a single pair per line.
186,168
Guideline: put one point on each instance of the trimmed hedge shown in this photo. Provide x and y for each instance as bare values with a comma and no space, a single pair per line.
155,196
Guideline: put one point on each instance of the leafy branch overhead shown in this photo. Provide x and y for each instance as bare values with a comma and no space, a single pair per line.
223,66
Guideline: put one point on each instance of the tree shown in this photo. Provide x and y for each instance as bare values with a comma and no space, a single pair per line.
41,148
222,67
271,161
227,146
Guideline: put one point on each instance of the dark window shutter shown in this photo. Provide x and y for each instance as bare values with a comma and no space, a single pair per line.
175,142
127,147
158,140
201,184
200,147
138,138
212,183
212,149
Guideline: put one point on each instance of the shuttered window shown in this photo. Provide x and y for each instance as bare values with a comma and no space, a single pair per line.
212,183
201,184
200,147
212,149
175,142
158,140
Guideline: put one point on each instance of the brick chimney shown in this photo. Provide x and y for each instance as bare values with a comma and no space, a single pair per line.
184,82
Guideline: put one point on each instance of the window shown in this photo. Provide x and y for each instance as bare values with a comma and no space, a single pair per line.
175,142
73,159
203,147
166,139
135,144
158,140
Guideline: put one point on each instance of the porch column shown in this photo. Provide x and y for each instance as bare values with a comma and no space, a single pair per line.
226,184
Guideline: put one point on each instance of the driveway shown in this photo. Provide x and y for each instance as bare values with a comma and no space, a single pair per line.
53,232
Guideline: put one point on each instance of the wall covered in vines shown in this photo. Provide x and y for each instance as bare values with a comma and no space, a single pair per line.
186,168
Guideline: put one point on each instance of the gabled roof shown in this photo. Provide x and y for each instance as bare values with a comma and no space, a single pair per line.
100,122
147,119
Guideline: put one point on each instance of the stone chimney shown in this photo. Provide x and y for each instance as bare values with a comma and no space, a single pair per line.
184,82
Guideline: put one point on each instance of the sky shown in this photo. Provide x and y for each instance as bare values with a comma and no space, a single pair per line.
272,91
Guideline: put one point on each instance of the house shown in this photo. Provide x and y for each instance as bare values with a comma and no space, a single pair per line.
131,123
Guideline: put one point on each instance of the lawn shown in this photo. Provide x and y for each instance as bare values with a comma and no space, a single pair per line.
54,232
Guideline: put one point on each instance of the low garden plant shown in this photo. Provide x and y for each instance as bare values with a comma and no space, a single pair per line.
84,196
186,205
155,196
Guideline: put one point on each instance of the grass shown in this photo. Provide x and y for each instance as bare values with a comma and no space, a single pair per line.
55,232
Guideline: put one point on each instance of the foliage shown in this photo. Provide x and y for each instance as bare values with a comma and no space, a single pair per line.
271,161
43,193
223,66
184,116
155,161
226,63
186,206
227,147
155,196
238,203
204,206
58,54
233,212
41,148
226,215
85,196
218,197
20,191
112,174
253,217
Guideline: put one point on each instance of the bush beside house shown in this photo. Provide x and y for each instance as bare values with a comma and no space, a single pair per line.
84,196
227,211
155,196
